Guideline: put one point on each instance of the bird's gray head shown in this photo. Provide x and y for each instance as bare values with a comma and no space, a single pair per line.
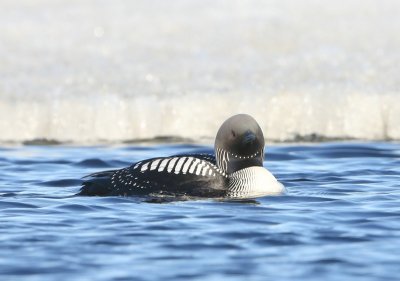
239,144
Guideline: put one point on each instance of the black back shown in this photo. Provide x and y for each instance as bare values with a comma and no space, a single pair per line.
193,175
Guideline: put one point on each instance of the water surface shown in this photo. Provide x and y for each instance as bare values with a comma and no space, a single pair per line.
338,221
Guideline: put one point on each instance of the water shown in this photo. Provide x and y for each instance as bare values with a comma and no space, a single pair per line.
100,77
340,218
98,70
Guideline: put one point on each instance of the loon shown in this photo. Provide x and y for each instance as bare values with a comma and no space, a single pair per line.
236,170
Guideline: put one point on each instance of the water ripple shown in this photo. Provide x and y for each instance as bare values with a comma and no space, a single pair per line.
339,220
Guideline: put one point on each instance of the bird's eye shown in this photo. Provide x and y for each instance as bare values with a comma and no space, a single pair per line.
233,133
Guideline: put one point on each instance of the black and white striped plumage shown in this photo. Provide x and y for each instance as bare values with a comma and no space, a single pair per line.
235,171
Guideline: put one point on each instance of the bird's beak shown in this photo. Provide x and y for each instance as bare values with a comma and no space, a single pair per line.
248,137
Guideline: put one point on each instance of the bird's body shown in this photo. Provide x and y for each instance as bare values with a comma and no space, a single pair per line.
228,174
194,175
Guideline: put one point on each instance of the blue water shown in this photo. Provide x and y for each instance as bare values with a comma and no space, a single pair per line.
340,219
